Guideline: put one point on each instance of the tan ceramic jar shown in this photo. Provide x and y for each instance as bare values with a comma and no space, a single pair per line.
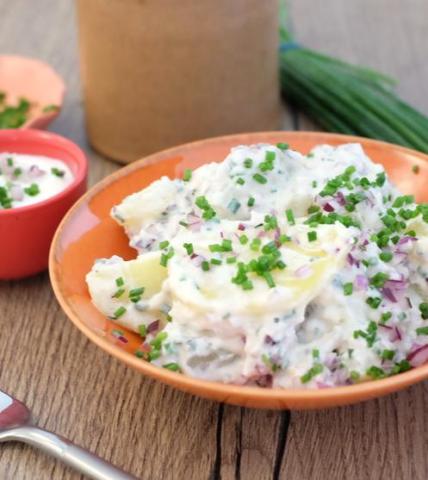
157,73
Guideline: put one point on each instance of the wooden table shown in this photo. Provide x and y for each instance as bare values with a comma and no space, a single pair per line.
151,430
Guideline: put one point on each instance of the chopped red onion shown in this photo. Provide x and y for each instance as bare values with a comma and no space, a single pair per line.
406,239
352,260
197,259
328,207
153,327
341,200
265,381
16,192
361,282
322,385
397,285
331,361
395,334
241,227
304,271
419,356
387,293
35,172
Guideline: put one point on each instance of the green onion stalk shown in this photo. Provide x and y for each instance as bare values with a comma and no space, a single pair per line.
346,98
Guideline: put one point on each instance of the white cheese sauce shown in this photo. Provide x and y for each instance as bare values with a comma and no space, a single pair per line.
28,179
273,268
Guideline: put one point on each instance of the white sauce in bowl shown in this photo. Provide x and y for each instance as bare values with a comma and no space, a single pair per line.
29,179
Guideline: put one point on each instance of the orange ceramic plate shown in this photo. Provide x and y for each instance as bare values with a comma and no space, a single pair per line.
88,232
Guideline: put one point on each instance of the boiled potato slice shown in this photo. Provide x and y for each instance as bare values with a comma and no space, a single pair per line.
111,298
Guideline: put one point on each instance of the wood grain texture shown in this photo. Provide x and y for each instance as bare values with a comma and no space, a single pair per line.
153,431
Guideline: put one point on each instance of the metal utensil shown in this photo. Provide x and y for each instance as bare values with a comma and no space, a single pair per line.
15,426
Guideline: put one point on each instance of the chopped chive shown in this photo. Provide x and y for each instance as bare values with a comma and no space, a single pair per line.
348,288
174,367
231,260
386,256
387,354
205,266
313,209
136,292
120,282
374,302
423,308
118,293
119,312
270,223
311,373
157,341
17,172
422,331
280,264
312,236
379,279
283,146
255,244
9,162
269,279
240,181
153,355
251,201
163,244
187,175
166,256
375,372
189,248
290,216
247,285
385,317
57,172
260,178
284,239
243,239
32,190
215,261
142,330
248,162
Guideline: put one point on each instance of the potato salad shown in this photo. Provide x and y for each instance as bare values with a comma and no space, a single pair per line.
273,269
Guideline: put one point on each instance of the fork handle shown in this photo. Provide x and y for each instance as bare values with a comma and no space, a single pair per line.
72,455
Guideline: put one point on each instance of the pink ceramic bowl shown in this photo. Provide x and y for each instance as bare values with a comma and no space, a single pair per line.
45,90
26,232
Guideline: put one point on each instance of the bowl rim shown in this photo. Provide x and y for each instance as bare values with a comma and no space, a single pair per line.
18,135
255,395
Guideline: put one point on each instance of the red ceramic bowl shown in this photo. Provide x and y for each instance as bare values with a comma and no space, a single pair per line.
26,232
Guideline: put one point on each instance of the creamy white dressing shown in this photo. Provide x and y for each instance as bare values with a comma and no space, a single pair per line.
265,269
28,179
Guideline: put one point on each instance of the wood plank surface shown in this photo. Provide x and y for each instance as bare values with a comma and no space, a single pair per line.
154,432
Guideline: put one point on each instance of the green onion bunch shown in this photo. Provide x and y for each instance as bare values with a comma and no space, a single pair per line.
346,98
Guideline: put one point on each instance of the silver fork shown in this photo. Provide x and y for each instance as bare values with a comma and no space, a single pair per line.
15,425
